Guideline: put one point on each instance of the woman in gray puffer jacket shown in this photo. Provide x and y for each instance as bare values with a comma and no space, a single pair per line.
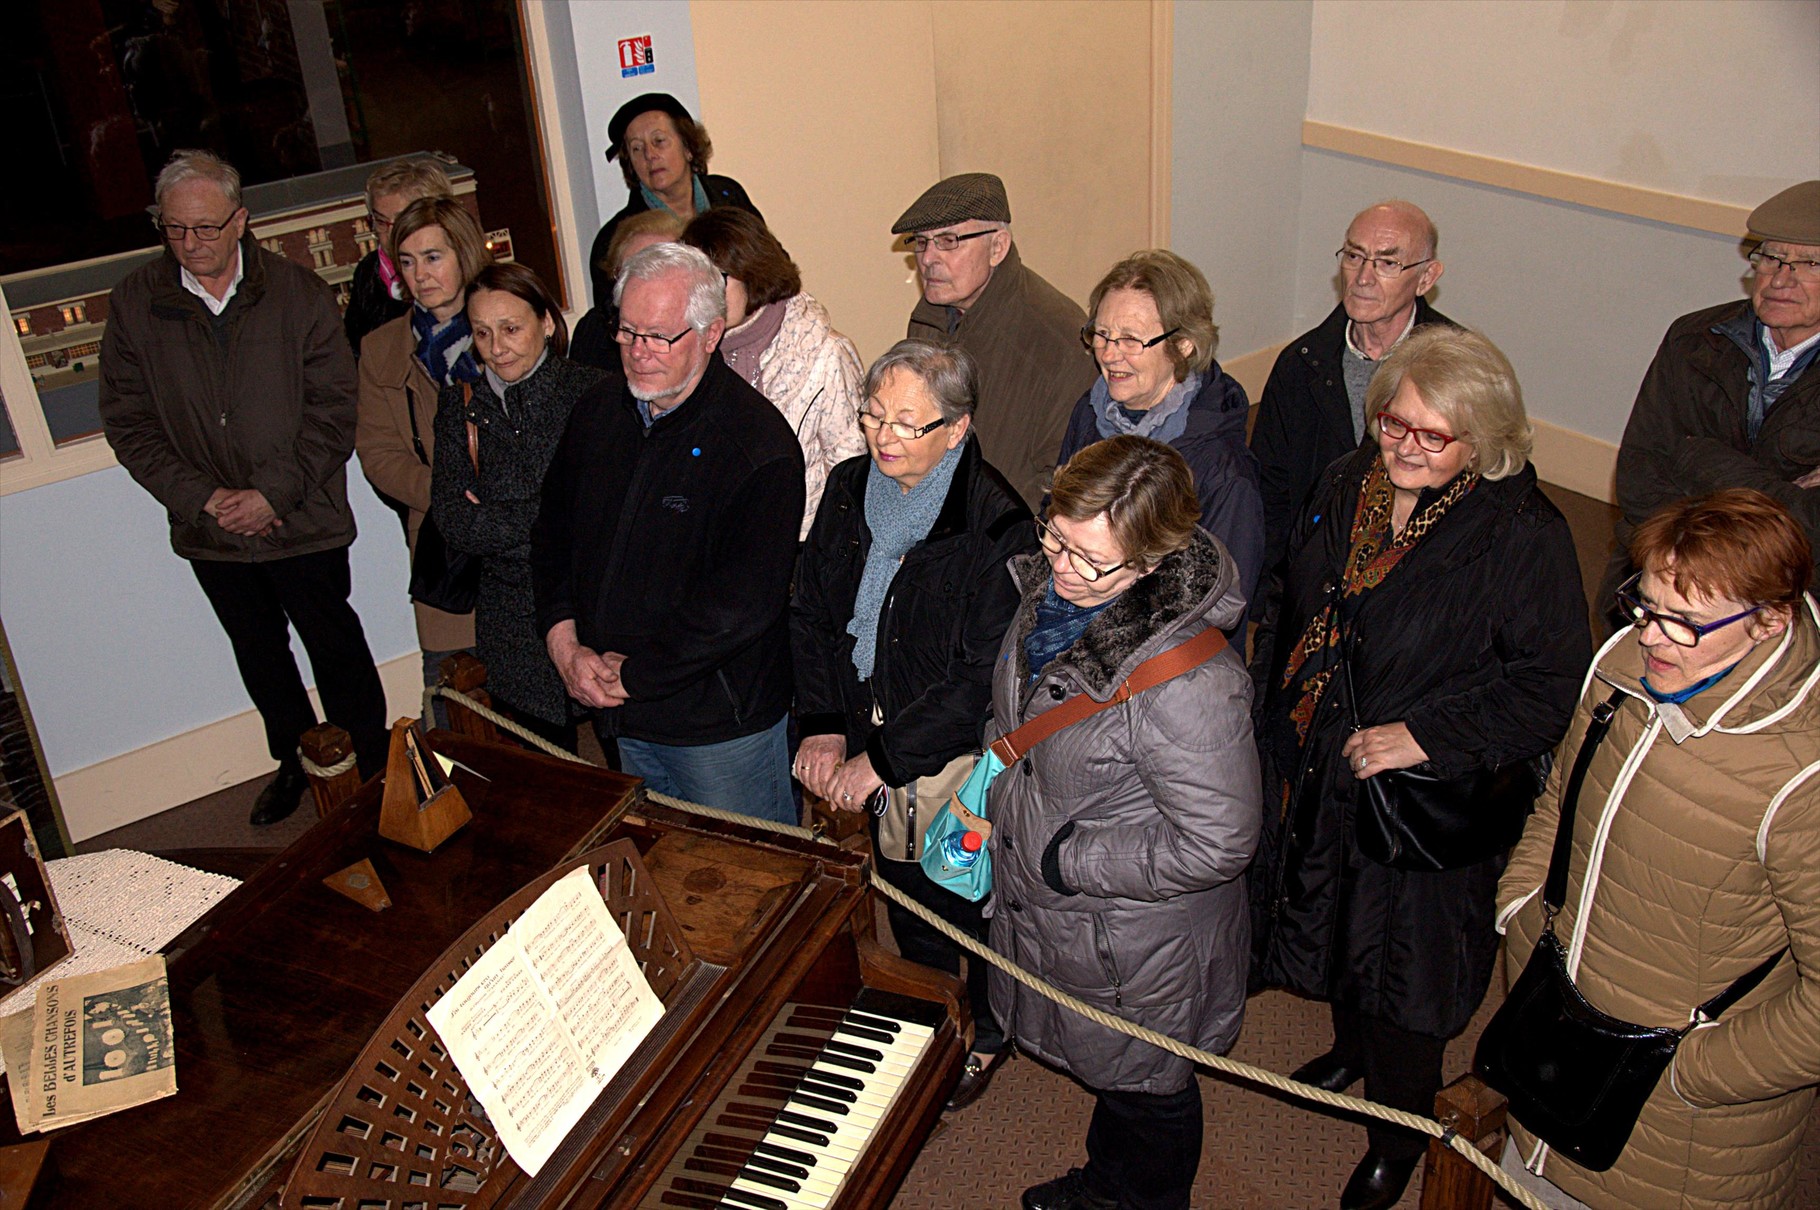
1118,844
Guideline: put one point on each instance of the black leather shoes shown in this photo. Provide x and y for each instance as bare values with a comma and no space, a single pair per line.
1328,1071
280,796
974,1077
1378,1181
1068,1192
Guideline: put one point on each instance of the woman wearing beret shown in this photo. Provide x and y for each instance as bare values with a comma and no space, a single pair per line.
663,152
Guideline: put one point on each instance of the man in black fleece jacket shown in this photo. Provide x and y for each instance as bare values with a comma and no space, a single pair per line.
662,553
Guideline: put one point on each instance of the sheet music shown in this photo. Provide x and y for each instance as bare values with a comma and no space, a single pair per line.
543,1020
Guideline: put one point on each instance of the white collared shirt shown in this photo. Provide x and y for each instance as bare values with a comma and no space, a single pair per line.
1779,361
1360,353
215,305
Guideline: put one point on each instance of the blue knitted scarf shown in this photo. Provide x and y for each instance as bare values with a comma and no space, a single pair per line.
898,521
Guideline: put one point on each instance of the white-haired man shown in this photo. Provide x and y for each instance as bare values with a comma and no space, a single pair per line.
663,550
1313,406
227,392
1732,398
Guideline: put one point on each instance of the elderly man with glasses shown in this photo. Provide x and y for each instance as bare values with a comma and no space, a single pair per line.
1732,398
1021,331
663,550
228,393
1313,406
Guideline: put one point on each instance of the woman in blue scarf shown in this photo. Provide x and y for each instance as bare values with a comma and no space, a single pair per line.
1150,330
902,597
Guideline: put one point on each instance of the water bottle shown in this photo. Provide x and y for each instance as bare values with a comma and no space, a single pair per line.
961,849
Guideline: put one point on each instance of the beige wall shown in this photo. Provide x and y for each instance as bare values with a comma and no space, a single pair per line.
1674,96
835,116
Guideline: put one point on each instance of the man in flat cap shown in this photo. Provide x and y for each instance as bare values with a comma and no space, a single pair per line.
1732,398
1022,332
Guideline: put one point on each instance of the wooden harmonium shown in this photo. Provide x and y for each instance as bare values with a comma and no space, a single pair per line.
796,1064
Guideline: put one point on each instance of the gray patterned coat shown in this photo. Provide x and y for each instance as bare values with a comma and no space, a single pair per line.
1149,921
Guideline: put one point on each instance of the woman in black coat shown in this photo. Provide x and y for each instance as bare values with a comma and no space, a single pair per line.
902,597
516,414
1434,567
663,152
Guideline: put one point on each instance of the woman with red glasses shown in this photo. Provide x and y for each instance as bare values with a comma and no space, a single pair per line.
1429,617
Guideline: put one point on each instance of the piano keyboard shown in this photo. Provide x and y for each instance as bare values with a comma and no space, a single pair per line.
797,1115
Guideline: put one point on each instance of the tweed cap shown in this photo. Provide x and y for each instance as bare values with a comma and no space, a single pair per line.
971,195
1792,216
662,102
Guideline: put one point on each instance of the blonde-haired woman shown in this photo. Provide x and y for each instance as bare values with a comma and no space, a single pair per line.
1429,615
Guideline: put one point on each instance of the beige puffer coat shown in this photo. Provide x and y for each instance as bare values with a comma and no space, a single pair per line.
1701,824
812,373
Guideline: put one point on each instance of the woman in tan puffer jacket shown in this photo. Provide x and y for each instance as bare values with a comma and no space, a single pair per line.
1699,821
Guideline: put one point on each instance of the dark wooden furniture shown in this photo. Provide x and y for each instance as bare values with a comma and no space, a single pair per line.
277,988
281,986
1475,1113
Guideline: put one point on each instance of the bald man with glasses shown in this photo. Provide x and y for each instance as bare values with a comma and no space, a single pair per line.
1313,407
1732,398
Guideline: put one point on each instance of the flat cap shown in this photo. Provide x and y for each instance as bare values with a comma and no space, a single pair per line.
662,102
1792,216
971,195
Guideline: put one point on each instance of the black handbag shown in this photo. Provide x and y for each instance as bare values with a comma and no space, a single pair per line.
1412,819
441,578
1577,1077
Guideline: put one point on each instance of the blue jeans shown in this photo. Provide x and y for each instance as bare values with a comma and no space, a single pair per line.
750,775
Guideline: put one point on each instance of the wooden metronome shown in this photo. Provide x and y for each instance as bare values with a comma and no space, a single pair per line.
421,807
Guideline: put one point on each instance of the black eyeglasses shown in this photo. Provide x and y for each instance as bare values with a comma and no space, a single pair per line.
905,432
1768,264
207,232
656,343
1097,339
1084,567
1383,266
1678,630
947,241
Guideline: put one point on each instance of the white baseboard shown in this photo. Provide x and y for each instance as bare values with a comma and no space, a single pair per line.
124,789
1575,461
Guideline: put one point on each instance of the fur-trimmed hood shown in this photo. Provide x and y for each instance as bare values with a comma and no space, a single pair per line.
1190,589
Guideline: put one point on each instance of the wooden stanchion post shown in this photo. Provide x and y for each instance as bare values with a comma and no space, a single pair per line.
1476,1114
325,744
466,675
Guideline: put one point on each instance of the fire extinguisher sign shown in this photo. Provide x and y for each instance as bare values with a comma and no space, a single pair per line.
635,57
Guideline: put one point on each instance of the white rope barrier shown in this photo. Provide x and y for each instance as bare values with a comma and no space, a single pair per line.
1194,1054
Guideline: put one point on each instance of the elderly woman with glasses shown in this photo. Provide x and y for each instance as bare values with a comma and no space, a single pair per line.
901,600
1118,843
1150,330
1429,616
1695,858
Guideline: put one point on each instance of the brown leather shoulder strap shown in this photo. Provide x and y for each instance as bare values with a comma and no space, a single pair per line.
1152,672
467,394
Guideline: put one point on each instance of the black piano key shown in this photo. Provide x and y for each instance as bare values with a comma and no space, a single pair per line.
885,1023
771,1164
814,1138
859,1065
803,1072
760,1147
790,1154
821,1103
837,1047
696,1163
790,1117
807,1082
863,1031
726,1193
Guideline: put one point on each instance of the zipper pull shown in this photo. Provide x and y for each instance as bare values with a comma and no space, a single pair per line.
223,420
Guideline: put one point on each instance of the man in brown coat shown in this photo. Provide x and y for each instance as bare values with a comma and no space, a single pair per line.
227,392
1023,333
1732,398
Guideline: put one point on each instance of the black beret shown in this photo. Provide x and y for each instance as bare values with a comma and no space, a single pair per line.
661,102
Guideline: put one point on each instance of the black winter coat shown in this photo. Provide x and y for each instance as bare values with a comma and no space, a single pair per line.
674,546
1305,422
517,439
944,616
1478,641
721,190
1225,473
370,304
